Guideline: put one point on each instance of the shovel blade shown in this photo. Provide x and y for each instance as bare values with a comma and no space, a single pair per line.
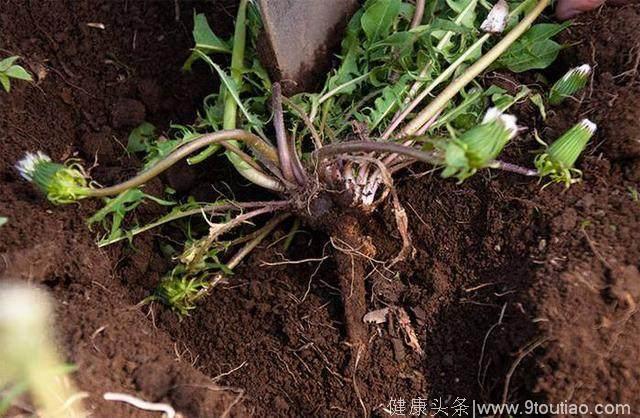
300,38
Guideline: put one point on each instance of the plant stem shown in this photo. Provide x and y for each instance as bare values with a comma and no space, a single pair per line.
369,146
284,153
418,14
292,234
514,168
262,233
305,118
208,209
218,229
237,64
230,105
230,111
474,70
184,151
242,155
337,90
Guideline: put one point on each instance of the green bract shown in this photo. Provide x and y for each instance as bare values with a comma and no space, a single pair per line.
558,159
60,183
479,146
571,83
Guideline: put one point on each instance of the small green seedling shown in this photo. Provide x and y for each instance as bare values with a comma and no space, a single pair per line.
3,220
9,70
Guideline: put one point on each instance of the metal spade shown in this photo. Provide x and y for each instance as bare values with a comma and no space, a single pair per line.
300,38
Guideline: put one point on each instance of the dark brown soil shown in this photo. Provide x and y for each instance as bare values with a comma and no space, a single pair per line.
500,265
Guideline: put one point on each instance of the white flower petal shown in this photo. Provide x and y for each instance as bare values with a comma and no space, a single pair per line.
588,125
27,166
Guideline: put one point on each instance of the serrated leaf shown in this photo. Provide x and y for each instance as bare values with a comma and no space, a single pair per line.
232,88
386,103
345,73
407,11
19,73
205,40
378,18
116,209
351,38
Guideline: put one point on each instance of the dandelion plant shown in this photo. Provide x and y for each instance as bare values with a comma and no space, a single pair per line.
408,89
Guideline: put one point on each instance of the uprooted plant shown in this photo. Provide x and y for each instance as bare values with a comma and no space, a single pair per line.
408,89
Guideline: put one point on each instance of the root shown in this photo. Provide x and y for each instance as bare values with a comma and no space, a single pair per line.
524,352
351,272
402,221
168,410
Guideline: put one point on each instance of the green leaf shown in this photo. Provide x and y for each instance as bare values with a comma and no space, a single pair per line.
206,41
6,63
232,87
140,137
459,5
351,38
386,103
345,73
537,100
378,18
465,10
534,50
448,26
4,80
503,101
160,148
3,220
19,73
398,39
117,208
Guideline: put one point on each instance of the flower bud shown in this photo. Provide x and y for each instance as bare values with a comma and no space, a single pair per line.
60,183
496,20
570,84
558,160
479,146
